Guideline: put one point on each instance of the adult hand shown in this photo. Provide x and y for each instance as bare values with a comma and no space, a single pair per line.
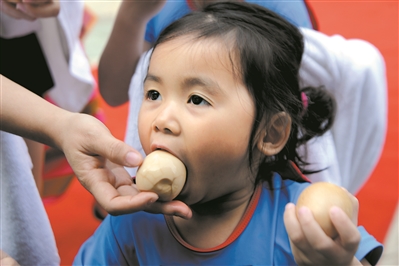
311,246
87,145
146,201
30,9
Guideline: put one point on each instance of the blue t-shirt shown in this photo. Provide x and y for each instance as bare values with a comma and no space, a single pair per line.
259,239
294,11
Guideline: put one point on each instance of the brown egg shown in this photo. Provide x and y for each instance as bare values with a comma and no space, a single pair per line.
162,173
319,197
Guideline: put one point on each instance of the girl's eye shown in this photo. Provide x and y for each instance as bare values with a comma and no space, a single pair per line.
153,95
197,100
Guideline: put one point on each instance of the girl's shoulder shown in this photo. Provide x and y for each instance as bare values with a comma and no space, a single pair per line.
134,221
284,190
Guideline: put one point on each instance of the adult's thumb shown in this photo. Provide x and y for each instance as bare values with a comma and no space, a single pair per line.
119,152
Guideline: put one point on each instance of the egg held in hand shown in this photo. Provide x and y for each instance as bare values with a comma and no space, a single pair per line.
319,198
162,173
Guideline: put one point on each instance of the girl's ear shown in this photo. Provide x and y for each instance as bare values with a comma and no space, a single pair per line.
273,138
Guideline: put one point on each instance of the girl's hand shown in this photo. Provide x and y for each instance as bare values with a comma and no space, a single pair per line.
311,246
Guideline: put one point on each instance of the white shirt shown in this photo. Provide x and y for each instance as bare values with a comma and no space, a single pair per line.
59,39
25,230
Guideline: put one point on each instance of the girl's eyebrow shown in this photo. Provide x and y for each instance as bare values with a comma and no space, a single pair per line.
209,85
150,77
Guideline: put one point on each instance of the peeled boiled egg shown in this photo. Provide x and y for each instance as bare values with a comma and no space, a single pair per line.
319,197
162,173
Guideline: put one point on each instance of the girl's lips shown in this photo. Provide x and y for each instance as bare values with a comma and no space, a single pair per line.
155,147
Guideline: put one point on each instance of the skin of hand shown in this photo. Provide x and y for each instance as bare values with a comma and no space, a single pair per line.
87,143
311,246
124,48
129,189
30,9
6,260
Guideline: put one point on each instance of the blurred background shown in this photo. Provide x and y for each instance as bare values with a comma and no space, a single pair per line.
70,209
100,27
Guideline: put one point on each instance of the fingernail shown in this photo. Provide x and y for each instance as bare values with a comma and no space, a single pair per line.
133,159
289,206
151,201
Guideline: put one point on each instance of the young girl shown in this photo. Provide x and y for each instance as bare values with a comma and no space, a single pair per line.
352,70
222,95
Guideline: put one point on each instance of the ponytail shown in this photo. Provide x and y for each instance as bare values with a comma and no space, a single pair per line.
318,116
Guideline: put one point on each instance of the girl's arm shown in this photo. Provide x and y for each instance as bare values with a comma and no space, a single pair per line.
126,44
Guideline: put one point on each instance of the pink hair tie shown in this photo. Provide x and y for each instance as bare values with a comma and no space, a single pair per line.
305,102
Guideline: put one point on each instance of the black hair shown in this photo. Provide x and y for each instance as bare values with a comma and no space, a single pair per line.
269,50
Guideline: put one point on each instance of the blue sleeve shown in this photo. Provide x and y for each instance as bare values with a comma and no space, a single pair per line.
369,248
295,12
101,248
150,32
172,10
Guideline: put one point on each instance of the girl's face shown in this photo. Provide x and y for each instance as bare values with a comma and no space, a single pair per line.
196,108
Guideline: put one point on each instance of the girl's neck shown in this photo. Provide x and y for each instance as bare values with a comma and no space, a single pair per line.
214,221
222,205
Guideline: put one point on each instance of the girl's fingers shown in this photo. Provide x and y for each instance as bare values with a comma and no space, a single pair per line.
349,236
294,228
291,223
312,231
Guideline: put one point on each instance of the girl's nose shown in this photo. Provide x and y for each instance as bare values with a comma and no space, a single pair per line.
167,121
